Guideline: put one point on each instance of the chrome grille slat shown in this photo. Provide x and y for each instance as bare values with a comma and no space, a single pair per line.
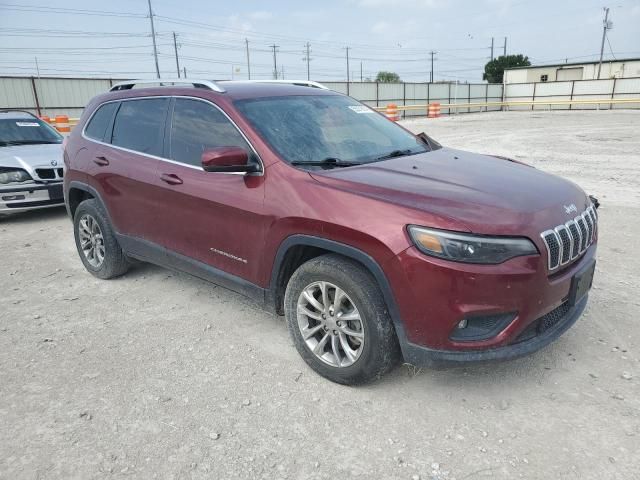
567,242
583,233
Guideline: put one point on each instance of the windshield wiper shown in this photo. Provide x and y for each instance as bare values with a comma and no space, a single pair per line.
327,162
397,153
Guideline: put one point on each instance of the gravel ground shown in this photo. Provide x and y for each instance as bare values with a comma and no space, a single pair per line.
160,375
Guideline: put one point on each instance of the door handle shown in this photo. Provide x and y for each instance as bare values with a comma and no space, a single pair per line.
101,161
171,179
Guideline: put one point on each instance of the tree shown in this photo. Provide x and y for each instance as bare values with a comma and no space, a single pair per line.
494,70
388,77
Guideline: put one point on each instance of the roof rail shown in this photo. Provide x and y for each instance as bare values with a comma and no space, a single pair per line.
303,83
129,84
9,110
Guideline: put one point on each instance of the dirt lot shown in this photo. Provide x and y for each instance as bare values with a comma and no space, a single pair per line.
160,375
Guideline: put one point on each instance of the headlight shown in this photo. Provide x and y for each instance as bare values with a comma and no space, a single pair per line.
462,247
11,176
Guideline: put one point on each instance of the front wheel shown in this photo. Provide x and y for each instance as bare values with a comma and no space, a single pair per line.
339,321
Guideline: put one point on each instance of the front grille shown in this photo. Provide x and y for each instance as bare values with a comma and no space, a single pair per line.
49,173
544,323
46,173
567,242
553,317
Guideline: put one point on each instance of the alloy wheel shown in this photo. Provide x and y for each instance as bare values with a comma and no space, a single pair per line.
330,324
91,240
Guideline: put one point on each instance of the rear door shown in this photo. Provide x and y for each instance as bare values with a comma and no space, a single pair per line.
214,218
123,168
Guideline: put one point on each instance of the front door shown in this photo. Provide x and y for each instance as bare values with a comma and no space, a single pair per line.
213,218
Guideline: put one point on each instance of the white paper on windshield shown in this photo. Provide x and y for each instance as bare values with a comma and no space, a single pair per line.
360,109
28,124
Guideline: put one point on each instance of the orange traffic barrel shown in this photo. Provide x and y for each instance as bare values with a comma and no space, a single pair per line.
62,124
45,118
392,112
433,111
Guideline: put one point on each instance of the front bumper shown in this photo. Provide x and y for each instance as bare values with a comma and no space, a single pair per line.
423,356
434,295
20,198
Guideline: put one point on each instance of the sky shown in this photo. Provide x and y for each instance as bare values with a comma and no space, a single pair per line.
112,39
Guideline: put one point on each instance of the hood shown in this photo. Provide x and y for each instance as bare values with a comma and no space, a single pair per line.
487,194
30,157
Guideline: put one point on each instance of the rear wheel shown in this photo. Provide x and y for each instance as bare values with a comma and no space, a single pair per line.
96,243
339,321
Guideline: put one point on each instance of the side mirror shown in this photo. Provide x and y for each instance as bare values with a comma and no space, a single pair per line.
428,141
227,160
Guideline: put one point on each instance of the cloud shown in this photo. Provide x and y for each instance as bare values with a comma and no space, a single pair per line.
260,15
381,27
407,4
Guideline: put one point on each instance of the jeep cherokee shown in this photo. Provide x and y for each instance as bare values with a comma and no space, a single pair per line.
374,243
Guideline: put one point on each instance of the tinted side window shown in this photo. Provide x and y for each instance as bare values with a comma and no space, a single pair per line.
97,126
139,125
197,126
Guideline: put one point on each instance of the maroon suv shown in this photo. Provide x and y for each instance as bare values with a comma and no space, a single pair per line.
376,244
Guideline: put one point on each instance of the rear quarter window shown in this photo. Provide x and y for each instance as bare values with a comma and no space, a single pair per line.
139,125
97,127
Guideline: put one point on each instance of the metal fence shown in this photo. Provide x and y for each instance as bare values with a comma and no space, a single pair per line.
613,88
51,96
380,94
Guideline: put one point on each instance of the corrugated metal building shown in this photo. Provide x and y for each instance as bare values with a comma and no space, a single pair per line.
623,68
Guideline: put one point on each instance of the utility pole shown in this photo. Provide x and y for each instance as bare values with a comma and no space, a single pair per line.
282,71
360,72
347,50
605,27
37,67
184,71
307,58
175,49
491,48
246,43
504,50
153,37
275,63
432,53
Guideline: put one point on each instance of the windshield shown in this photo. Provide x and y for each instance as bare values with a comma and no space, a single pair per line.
331,129
26,131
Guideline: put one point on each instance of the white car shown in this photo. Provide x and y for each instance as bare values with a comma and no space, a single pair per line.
31,164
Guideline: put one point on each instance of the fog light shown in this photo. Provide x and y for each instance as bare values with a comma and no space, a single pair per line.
481,327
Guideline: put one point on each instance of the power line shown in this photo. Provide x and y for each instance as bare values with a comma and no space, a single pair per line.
75,11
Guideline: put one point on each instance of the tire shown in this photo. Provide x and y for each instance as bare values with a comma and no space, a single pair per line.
372,352
112,262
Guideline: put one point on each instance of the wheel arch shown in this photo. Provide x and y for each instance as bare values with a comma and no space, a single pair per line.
77,193
311,246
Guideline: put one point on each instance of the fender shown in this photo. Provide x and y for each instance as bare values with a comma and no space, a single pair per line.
85,188
350,252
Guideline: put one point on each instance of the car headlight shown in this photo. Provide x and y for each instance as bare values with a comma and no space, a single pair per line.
463,247
13,175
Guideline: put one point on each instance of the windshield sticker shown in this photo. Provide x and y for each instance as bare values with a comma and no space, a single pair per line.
27,124
360,109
